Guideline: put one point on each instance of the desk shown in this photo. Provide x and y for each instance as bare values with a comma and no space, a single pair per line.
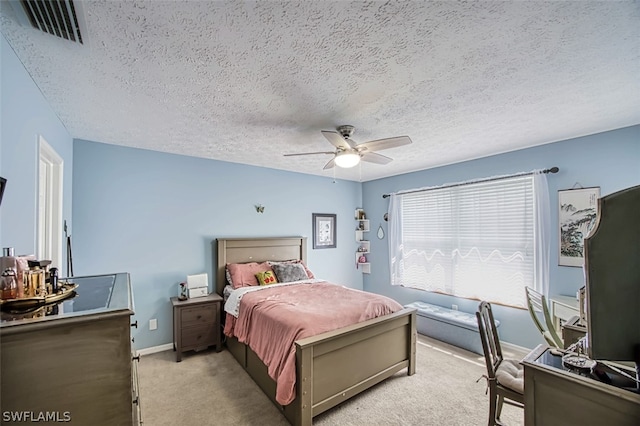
572,331
554,395
563,308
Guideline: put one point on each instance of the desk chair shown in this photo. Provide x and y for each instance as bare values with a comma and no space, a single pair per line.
536,302
505,377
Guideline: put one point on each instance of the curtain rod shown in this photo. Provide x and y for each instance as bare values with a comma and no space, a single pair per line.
550,170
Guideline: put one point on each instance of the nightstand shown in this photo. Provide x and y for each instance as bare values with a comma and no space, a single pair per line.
196,324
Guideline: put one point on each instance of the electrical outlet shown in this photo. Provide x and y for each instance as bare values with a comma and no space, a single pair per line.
454,307
153,324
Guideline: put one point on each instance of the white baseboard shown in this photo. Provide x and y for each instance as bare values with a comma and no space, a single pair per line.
154,349
506,346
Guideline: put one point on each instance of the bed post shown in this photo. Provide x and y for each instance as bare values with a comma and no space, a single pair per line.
411,369
304,368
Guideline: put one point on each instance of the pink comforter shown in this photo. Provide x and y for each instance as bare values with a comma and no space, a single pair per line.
271,320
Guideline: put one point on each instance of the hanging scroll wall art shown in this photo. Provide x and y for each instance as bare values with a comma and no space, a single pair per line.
577,216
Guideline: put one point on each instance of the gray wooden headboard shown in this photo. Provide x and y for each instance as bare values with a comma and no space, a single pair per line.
243,250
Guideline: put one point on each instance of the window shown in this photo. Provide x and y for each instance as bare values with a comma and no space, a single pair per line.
50,167
478,240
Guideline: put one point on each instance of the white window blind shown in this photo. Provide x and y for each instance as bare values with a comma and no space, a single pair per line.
475,240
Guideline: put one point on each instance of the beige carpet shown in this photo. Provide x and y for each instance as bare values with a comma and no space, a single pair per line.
209,388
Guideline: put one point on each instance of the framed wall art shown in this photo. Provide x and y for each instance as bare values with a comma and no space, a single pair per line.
577,216
324,230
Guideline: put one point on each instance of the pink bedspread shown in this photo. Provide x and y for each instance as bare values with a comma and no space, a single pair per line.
271,320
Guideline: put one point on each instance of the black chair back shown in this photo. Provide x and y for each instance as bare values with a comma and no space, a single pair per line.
499,394
489,338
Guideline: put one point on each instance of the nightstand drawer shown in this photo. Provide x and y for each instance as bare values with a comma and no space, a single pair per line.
205,314
194,337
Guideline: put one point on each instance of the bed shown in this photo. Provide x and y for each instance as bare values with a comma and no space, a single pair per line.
330,367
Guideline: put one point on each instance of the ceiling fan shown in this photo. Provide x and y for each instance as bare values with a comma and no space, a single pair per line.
348,153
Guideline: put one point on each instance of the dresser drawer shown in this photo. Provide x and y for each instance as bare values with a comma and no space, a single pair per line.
196,337
196,315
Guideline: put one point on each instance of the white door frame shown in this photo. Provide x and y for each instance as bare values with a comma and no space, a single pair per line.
50,189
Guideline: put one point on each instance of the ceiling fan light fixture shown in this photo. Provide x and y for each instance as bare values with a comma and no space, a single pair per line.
347,159
348,154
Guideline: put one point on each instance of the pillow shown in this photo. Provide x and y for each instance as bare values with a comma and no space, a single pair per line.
266,278
226,292
244,274
309,273
510,374
287,272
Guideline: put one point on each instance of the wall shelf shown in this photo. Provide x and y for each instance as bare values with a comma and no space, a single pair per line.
364,245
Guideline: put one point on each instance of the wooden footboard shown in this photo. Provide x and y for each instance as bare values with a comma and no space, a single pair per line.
334,366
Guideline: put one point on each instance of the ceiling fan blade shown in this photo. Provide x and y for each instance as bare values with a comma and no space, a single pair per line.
309,153
330,164
387,143
336,139
372,157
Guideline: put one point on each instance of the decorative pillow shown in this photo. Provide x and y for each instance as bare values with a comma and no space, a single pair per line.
309,273
266,278
287,272
244,274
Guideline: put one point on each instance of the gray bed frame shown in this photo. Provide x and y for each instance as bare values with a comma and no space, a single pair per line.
330,367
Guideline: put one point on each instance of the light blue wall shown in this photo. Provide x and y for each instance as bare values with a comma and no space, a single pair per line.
610,160
25,115
155,215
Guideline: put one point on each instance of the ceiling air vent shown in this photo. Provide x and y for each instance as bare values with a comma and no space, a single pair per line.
56,17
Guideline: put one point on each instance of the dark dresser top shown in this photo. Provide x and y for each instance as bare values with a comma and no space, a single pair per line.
95,295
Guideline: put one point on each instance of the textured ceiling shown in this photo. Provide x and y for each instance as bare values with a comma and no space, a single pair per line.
249,81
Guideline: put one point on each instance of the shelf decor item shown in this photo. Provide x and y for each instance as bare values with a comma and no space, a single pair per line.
364,245
324,230
3,183
578,209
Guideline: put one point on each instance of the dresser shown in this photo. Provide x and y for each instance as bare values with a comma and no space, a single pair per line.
196,324
557,395
72,361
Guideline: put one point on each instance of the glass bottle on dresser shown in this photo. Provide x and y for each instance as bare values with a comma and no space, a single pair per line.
9,284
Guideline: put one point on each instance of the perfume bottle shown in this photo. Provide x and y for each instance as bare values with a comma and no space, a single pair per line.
36,282
9,284
53,280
